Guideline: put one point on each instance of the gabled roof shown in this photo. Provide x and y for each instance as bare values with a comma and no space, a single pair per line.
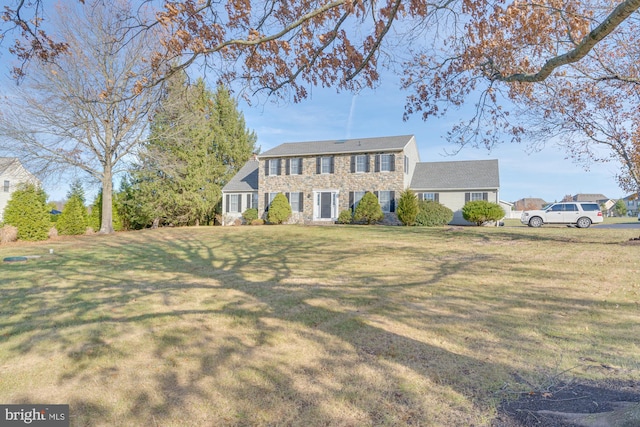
246,179
459,175
589,197
339,146
528,203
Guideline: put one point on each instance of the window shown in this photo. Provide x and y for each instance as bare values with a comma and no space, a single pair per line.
433,197
295,166
385,163
384,197
354,199
406,164
268,198
294,201
361,163
6,186
326,165
273,167
234,203
477,196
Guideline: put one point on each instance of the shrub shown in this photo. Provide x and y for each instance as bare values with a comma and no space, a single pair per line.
407,207
481,211
368,209
8,233
73,219
433,214
250,215
27,210
345,217
279,210
257,222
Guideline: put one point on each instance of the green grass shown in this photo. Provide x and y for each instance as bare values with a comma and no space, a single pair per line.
289,325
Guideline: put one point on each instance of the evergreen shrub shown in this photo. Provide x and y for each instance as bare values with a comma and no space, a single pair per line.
345,217
27,211
279,210
250,215
407,207
368,210
433,214
481,211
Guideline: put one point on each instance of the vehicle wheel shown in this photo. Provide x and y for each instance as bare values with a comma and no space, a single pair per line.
583,222
536,221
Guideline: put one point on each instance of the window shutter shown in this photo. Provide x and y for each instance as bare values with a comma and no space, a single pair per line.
367,167
420,196
392,163
318,165
226,209
353,164
351,200
266,167
331,164
377,169
287,167
288,196
485,196
301,202
300,164
392,201
437,197
279,166
375,193
239,196
266,202
467,197
249,205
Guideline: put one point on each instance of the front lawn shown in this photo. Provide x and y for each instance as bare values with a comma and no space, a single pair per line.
291,325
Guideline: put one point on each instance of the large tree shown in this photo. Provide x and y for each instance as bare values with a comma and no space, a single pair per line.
198,141
492,54
86,107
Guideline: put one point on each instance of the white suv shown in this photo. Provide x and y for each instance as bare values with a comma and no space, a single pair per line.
581,214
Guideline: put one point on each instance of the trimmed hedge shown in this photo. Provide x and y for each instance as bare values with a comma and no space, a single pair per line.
433,214
481,211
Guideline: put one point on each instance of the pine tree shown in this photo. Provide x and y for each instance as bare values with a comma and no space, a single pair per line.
199,140
27,210
73,219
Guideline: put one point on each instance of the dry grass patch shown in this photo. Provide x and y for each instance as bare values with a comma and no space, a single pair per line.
313,325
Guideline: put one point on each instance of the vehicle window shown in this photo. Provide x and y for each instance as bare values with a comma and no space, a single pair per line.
556,208
570,207
590,207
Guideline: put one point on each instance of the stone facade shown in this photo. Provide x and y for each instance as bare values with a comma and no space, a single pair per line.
339,183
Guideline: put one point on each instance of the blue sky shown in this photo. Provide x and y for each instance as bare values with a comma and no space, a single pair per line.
326,114
546,174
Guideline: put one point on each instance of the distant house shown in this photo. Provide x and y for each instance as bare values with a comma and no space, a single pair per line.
529,204
605,202
322,178
12,174
632,203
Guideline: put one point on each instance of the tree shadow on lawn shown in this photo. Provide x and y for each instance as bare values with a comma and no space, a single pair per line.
377,372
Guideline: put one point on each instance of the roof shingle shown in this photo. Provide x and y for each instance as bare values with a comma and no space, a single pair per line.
245,180
339,146
458,175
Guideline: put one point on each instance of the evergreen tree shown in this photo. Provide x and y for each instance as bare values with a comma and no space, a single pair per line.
407,207
198,141
27,210
73,219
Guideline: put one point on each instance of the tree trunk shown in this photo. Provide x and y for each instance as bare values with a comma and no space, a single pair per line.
107,201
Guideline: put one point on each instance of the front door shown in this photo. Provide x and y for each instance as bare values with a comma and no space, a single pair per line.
326,199
325,205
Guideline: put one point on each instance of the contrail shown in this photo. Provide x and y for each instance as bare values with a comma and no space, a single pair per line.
351,112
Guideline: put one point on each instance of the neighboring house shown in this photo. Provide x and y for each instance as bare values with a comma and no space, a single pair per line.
632,203
529,204
455,183
12,174
322,178
605,202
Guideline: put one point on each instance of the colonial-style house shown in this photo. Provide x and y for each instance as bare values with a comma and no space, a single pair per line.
322,178
12,174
